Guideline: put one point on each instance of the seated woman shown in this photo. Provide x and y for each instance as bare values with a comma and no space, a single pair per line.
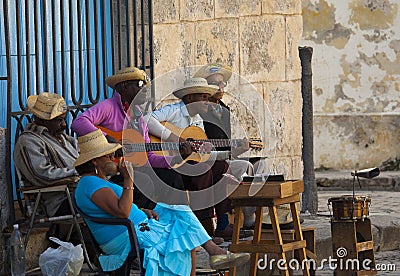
167,234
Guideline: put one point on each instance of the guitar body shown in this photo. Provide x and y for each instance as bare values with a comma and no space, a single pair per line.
127,136
191,132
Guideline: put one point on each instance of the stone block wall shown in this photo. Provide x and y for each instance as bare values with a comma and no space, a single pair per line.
259,39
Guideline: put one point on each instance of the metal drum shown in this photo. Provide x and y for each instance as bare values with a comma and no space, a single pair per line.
349,207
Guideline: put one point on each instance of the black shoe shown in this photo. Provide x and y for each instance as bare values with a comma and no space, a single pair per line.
218,240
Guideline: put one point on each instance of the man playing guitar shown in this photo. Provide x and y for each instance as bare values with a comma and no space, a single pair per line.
194,97
122,111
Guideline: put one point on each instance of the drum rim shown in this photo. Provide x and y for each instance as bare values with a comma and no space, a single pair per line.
350,198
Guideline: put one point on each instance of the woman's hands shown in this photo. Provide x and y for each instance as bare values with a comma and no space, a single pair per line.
125,168
106,198
151,214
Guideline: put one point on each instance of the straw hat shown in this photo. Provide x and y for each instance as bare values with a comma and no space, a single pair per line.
126,74
47,105
214,68
283,213
195,86
93,145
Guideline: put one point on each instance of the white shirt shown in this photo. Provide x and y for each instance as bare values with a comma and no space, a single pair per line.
178,115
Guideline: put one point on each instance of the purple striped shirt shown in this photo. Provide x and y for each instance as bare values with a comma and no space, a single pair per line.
110,114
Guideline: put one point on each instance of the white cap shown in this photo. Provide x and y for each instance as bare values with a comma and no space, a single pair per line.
15,226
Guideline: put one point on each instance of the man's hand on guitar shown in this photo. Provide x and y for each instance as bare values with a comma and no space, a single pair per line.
242,147
185,150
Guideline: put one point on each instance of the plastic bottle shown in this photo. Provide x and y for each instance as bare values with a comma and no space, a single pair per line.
17,254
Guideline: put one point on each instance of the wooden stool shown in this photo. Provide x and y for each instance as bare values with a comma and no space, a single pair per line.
269,194
352,242
289,235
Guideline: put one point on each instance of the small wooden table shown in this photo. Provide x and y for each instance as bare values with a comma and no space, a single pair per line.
269,194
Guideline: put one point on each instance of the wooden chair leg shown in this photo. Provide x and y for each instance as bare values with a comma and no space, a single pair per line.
278,237
236,233
193,255
298,237
256,240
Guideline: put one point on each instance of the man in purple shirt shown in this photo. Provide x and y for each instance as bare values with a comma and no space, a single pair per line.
121,112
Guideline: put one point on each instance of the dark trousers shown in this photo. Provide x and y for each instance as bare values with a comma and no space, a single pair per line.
154,185
168,186
143,189
208,191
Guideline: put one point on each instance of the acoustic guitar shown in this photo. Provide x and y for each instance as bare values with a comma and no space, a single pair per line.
198,136
135,149
194,134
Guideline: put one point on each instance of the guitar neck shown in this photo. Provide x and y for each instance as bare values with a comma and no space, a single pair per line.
222,143
152,146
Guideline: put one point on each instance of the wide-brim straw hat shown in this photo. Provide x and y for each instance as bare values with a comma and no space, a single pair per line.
47,105
195,86
214,68
127,74
93,145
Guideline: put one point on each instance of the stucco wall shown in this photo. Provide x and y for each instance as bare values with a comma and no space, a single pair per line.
259,40
356,73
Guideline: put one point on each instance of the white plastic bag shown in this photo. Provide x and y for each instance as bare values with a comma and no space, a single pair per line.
67,259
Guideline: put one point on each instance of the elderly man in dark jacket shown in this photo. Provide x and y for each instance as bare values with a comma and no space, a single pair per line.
44,155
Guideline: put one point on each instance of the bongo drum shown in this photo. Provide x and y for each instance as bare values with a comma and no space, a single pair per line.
349,207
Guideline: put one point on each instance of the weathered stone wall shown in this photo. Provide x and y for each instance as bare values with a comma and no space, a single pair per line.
356,74
259,39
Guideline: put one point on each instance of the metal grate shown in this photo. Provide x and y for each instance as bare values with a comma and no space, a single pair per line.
68,47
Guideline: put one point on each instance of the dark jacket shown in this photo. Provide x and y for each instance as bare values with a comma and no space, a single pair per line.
217,122
44,162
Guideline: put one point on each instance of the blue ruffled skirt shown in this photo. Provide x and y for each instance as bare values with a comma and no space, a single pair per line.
168,243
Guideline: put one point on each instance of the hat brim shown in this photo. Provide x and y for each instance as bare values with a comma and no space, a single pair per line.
181,92
85,157
226,74
113,80
31,103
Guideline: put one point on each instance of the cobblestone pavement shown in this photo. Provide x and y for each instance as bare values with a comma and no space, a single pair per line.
387,262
